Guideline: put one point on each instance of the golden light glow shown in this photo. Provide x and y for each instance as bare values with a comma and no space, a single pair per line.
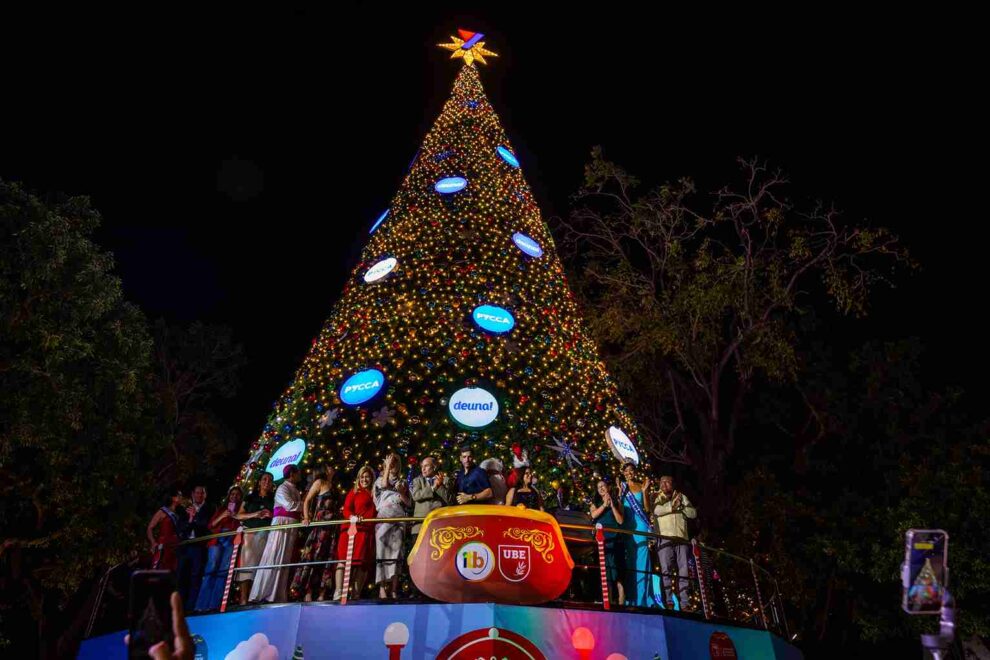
475,52
454,252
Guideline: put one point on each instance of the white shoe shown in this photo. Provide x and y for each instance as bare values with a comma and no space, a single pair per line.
336,596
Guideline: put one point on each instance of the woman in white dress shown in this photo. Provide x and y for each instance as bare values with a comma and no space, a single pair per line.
270,585
391,493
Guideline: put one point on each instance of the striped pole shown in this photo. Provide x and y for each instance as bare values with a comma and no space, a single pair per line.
600,539
759,596
351,533
700,570
231,567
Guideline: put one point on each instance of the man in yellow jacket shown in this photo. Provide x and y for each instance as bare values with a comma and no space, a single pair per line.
672,511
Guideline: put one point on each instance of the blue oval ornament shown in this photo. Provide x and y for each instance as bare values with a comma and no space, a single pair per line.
507,156
450,185
493,319
527,244
362,386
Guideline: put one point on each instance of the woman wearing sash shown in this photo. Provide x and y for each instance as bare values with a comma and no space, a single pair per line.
271,584
163,555
635,504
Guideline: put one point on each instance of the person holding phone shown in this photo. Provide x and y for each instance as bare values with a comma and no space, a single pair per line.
158,626
219,551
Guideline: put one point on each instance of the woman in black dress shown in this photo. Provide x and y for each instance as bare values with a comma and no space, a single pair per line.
524,494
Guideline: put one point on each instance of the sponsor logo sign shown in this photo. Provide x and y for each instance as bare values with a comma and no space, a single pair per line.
473,407
380,270
362,386
493,319
288,454
621,445
527,245
514,562
474,561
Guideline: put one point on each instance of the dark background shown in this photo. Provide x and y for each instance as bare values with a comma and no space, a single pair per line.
239,156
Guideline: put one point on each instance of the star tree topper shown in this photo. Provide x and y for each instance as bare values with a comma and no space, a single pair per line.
469,46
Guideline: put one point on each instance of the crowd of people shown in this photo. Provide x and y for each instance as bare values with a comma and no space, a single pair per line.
308,563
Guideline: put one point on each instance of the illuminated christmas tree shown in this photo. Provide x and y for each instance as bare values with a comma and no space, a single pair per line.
457,326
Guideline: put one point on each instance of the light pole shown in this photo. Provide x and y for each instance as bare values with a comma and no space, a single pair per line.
396,637
584,642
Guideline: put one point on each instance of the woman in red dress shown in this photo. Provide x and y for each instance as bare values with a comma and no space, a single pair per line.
163,546
359,502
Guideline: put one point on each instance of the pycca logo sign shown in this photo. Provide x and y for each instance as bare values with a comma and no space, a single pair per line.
527,244
380,270
288,454
473,407
621,445
474,561
493,319
362,386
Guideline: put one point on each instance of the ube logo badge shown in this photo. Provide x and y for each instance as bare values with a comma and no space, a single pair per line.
493,319
380,270
362,386
473,407
621,445
474,561
513,562
288,454
527,244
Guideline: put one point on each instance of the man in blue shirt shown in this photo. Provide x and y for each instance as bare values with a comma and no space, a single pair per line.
472,483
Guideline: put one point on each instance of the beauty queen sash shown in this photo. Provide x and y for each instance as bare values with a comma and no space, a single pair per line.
656,590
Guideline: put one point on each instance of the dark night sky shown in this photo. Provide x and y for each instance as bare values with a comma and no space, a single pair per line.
238,158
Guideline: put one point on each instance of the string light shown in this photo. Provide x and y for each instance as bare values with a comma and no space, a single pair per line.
446,255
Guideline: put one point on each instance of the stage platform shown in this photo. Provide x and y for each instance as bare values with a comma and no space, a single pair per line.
459,632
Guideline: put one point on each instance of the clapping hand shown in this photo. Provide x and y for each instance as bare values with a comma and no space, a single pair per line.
646,484
439,479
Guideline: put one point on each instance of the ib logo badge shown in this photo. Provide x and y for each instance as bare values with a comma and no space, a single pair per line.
474,561
513,562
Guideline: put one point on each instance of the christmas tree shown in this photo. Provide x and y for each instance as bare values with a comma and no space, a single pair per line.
456,328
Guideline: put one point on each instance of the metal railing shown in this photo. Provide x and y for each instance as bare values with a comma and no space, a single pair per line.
722,586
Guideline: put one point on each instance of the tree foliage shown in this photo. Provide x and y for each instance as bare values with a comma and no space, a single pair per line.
74,357
695,301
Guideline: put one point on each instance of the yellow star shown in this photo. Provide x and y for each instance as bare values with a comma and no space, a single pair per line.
470,48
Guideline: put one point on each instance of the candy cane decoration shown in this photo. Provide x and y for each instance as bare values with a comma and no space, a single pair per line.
231,567
600,538
700,570
351,533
